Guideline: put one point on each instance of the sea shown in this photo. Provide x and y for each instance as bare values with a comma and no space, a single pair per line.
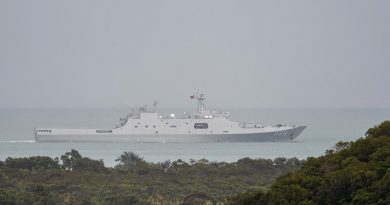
325,127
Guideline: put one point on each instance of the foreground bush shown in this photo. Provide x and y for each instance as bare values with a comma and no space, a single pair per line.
351,173
74,179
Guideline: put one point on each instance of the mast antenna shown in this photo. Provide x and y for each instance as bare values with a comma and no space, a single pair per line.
155,106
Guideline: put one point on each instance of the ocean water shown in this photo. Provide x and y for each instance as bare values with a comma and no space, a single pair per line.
325,127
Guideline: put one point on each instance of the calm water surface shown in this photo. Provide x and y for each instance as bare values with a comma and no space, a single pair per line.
325,128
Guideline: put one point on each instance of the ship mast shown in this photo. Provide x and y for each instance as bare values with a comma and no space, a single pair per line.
200,99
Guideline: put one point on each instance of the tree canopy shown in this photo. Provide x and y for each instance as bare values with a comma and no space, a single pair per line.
351,173
81,180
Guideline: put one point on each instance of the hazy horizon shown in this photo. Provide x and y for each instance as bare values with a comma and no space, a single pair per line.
241,54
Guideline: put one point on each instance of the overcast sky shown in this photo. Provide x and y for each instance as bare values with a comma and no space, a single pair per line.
255,54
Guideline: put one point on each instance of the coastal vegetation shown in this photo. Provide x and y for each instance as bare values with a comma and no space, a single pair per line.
350,173
74,179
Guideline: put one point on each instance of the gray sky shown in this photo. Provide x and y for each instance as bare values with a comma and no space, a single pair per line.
239,53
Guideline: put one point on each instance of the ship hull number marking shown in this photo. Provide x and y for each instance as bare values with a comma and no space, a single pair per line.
281,133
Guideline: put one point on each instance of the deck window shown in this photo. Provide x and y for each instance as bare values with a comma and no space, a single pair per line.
201,125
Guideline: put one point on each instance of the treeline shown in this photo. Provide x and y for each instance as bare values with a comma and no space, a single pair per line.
74,179
351,173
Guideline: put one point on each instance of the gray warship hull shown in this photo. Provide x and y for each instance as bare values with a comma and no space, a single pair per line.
146,126
278,136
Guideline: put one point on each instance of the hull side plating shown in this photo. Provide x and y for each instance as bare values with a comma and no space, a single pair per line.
286,135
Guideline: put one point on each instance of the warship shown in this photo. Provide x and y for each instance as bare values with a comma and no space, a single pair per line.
148,126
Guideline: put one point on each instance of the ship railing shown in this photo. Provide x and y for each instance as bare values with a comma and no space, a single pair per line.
250,125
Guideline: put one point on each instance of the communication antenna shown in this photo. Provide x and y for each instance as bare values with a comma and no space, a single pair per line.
155,106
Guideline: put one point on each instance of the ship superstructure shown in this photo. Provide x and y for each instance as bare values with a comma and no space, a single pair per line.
202,126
